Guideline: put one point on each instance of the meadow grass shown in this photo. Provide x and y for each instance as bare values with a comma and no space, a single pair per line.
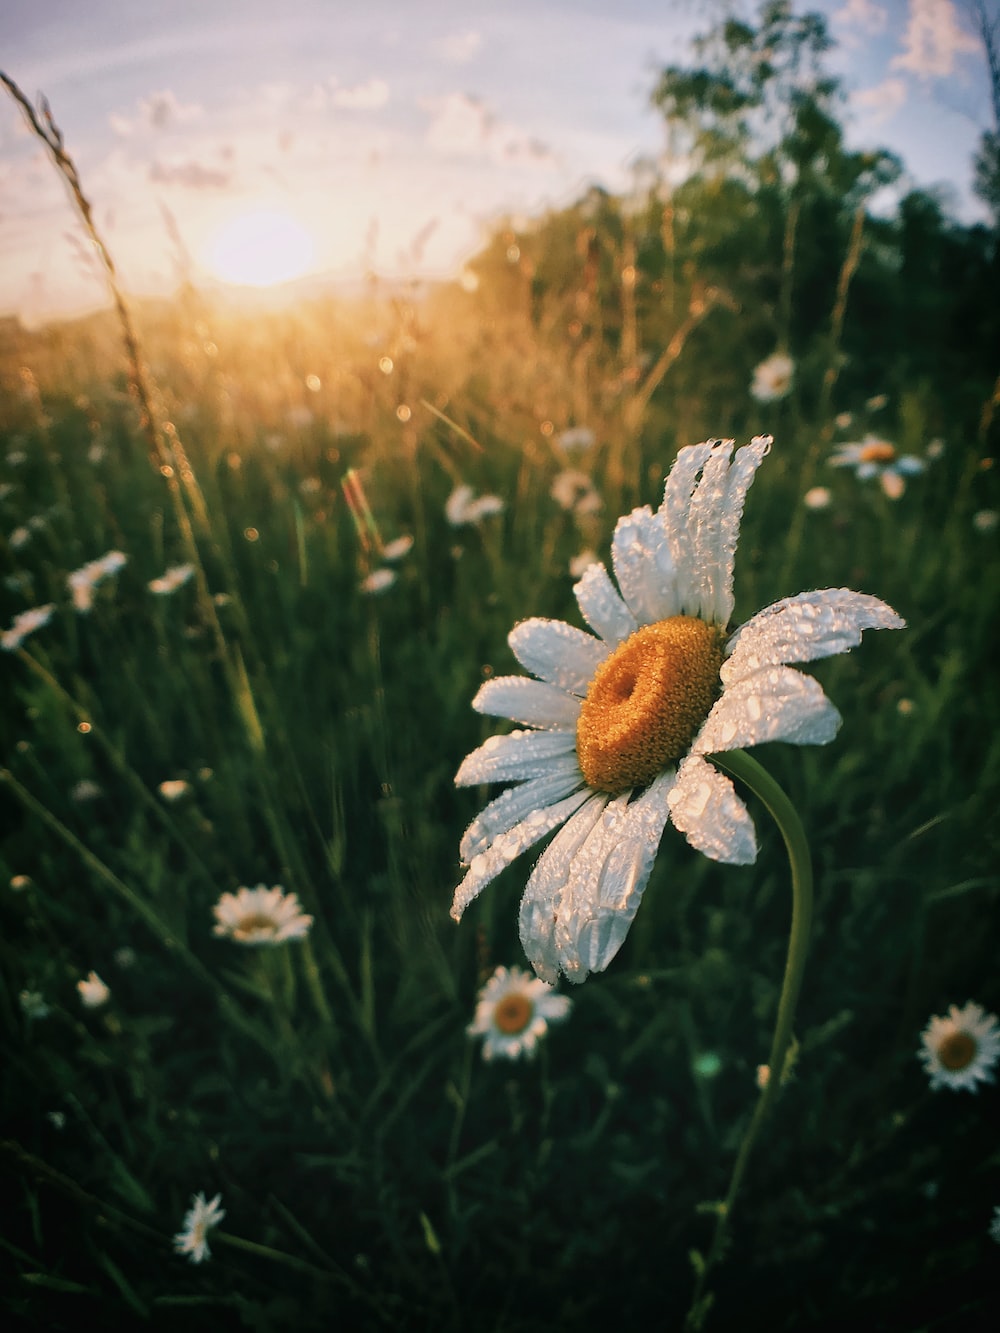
372,1168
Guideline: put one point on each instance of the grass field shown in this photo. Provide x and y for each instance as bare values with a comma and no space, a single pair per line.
373,1169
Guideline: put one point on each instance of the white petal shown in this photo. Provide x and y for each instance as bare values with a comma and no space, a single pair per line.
529,701
803,628
602,608
487,865
545,886
674,512
513,758
516,803
775,704
606,879
704,806
643,566
558,653
716,512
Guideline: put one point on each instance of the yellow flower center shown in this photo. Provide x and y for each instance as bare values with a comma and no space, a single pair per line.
513,1013
255,923
879,451
957,1050
647,701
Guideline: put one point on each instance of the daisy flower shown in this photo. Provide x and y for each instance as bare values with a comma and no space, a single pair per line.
25,623
817,497
621,723
462,508
576,438
397,549
773,377
93,991
82,582
960,1050
172,789
378,581
875,457
513,1013
260,916
572,489
171,579
199,1219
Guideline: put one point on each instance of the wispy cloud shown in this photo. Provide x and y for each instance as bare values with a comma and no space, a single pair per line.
860,18
364,97
191,175
933,40
463,125
162,111
459,47
883,100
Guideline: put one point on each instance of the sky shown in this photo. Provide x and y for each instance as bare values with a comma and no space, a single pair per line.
254,141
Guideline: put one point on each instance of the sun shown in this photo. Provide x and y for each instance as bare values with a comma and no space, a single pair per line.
260,248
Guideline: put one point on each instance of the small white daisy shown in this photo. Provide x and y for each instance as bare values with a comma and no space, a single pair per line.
82,582
199,1219
875,457
572,489
461,508
513,1012
985,520
379,580
576,438
817,497
772,379
85,790
260,916
171,579
172,789
93,991
397,549
19,537
960,1051
25,623
622,723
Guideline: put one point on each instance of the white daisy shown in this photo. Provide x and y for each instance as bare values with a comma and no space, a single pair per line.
621,722
513,1013
461,508
171,579
25,623
875,457
817,497
378,581
93,991
172,789
960,1051
260,916
198,1221
572,489
772,379
985,520
82,582
576,438
397,549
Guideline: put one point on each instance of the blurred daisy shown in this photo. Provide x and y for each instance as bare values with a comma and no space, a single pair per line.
462,507
772,378
25,623
398,549
7,488
85,790
959,1051
260,916
20,882
874,457
172,579
843,420
82,582
574,490
576,438
513,1013
995,1226
817,497
33,1004
582,562
877,402
93,991
172,789
199,1219
378,580
985,521
19,537
621,722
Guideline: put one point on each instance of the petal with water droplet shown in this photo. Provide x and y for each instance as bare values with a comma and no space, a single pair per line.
516,803
775,704
532,702
602,607
516,757
558,653
643,566
705,808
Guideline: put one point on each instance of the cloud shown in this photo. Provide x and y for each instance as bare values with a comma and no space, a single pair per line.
364,97
463,125
884,100
460,47
190,175
162,110
864,15
933,40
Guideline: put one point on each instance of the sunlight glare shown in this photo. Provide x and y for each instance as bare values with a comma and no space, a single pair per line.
259,249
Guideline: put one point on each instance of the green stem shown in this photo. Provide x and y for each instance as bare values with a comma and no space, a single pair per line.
740,765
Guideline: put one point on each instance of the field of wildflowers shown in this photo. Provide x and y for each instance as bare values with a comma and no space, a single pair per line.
253,580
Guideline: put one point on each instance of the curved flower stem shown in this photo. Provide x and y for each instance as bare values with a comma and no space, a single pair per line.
740,765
